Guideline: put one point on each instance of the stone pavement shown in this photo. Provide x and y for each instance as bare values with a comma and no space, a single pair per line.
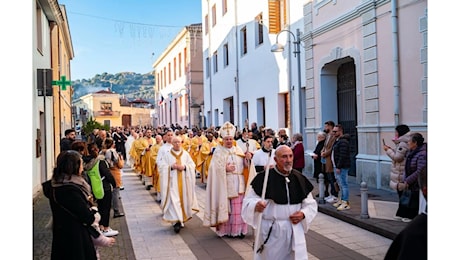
143,234
382,206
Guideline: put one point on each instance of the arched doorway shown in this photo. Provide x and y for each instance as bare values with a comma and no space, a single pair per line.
346,107
338,99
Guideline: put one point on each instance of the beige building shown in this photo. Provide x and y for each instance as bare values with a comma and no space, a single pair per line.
108,108
179,80
52,114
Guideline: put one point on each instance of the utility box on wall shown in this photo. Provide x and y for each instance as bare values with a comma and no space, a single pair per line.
44,79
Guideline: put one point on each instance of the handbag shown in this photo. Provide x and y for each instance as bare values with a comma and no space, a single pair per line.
91,230
409,198
96,181
119,162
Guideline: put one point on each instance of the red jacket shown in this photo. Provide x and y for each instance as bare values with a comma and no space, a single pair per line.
299,156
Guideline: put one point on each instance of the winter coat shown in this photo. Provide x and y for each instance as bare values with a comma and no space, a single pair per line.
71,239
341,150
398,158
299,156
415,161
317,165
327,149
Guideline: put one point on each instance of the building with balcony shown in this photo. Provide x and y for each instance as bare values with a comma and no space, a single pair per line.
111,109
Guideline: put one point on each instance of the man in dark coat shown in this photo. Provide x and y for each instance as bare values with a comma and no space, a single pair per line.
342,162
119,138
66,142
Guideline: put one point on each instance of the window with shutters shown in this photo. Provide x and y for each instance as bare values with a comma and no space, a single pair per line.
214,18
180,65
206,24
276,15
169,73
215,62
224,7
244,41
207,67
225,55
259,30
39,24
175,69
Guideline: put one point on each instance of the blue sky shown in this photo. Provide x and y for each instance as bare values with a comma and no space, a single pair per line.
118,36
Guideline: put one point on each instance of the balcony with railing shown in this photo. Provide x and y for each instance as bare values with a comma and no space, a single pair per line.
107,113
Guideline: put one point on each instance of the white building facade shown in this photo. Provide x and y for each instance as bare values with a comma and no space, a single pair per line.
244,81
363,64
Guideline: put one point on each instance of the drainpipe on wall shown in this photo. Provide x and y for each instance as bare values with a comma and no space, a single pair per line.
237,76
210,70
396,86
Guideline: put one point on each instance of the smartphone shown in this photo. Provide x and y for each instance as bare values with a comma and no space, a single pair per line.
383,140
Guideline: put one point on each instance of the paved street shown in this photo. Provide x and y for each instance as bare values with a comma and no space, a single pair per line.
143,234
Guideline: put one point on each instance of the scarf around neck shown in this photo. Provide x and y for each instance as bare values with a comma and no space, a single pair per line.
76,181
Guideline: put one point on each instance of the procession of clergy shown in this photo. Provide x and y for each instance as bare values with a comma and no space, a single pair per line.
247,183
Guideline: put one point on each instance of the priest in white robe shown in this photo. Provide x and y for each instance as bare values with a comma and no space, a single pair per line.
287,210
177,169
164,150
225,187
262,159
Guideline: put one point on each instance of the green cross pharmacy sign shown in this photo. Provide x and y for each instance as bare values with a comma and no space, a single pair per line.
63,83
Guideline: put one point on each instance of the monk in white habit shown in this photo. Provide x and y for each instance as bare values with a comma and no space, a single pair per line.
177,169
287,210
225,187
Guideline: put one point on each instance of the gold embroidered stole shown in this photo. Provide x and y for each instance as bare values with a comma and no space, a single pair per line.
179,182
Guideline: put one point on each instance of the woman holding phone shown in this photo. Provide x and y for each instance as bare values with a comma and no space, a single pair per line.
398,158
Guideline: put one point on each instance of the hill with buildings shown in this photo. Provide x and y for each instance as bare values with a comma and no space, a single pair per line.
132,85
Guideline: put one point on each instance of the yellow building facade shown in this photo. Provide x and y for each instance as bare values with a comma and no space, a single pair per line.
52,52
107,108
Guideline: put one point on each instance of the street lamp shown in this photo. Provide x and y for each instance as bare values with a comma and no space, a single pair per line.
277,47
182,92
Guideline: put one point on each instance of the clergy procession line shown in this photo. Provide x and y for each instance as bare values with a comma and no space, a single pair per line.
248,182
278,203
219,201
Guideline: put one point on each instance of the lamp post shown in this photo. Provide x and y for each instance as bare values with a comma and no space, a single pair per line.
186,91
277,47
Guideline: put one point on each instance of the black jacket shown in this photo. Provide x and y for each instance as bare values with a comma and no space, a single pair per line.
71,239
66,144
341,151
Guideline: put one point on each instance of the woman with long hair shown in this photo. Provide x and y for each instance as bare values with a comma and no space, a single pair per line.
416,160
398,157
73,210
114,160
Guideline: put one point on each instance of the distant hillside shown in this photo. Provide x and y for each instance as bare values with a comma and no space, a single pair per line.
133,85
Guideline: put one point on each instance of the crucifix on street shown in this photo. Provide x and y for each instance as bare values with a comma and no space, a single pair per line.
63,83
